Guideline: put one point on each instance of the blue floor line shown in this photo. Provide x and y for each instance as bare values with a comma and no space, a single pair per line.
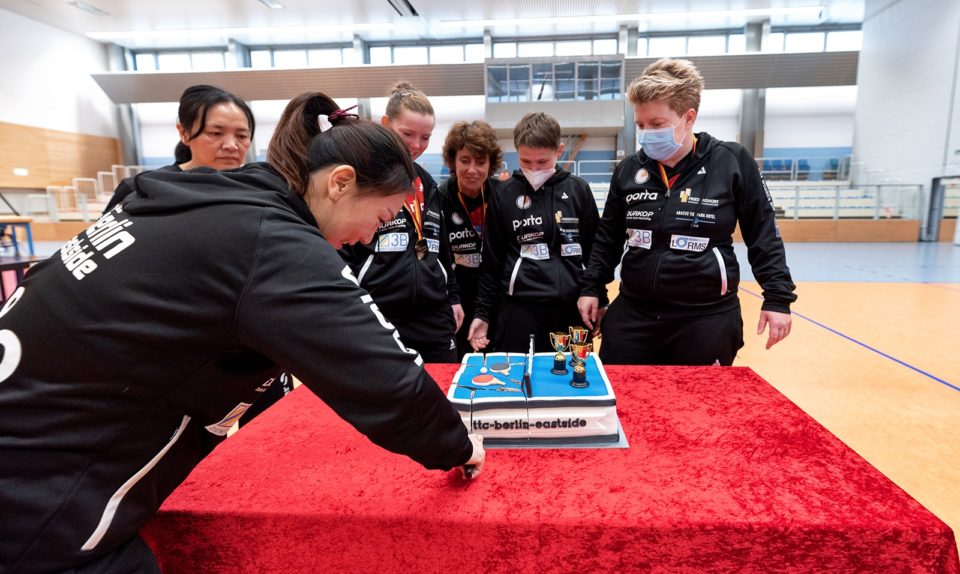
865,346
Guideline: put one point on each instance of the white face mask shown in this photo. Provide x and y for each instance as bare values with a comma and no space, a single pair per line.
539,177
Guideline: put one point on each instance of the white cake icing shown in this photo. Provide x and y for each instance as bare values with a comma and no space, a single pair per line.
555,413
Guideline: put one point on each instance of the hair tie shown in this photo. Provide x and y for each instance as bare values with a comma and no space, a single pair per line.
340,114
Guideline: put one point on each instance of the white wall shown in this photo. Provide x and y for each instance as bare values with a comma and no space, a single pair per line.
810,117
907,78
46,78
815,130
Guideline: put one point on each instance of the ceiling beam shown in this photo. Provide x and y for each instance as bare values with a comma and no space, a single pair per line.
744,71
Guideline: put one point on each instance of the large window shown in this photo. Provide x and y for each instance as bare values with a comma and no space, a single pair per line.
327,58
446,54
544,48
667,46
410,55
146,62
381,55
574,48
546,81
706,45
804,42
474,53
534,49
289,58
843,40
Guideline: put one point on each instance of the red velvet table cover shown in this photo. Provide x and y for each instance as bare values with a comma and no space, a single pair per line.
723,474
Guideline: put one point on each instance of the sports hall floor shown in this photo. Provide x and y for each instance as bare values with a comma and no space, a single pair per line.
874,356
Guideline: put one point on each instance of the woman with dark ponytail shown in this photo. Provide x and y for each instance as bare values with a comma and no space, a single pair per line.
216,129
131,353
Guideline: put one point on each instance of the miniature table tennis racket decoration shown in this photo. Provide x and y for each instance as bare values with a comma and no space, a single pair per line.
502,368
485,380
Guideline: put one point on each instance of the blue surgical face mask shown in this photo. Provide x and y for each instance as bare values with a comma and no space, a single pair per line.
659,144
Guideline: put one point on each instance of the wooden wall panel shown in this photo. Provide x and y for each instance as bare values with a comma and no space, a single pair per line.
52,157
947,228
844,230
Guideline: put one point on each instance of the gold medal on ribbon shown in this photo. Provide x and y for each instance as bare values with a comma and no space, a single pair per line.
421,248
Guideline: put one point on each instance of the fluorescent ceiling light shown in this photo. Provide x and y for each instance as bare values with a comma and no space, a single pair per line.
810,11
88,8
227,32
272,4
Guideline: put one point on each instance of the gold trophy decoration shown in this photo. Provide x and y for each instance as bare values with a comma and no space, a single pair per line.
579,354
559,341
578,336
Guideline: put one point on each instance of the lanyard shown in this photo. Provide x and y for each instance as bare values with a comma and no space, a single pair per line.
466,210
412,203
668,182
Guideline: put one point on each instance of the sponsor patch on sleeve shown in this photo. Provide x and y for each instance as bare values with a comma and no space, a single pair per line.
223,427
570,250
689,243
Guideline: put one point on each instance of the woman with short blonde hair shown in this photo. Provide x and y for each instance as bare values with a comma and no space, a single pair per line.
669,222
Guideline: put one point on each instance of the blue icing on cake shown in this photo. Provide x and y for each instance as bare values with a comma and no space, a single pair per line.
555,413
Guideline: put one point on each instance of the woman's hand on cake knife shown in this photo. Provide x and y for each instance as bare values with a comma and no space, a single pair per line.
474,466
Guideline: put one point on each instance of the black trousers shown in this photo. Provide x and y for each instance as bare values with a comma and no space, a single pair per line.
631,337
440,348
517,320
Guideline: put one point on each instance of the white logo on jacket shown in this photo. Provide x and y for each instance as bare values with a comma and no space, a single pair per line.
455,217
531,220
108,236
641,196
642,176
368,300
524,202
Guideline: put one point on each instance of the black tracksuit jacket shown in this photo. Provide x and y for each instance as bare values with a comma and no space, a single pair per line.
465,244
129,353
416,293
536,243
676,249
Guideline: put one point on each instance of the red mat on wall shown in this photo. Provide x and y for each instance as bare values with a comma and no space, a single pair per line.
723,474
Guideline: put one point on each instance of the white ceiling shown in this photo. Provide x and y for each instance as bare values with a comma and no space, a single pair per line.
196,23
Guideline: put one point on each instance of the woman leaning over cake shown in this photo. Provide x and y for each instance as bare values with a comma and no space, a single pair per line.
128,355
473,156
669,220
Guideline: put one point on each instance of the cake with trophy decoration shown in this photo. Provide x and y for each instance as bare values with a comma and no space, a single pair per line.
538,399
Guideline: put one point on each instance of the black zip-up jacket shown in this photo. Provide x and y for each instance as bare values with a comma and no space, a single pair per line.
125,188
131,351
535,243
465,244
388,266
677,249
